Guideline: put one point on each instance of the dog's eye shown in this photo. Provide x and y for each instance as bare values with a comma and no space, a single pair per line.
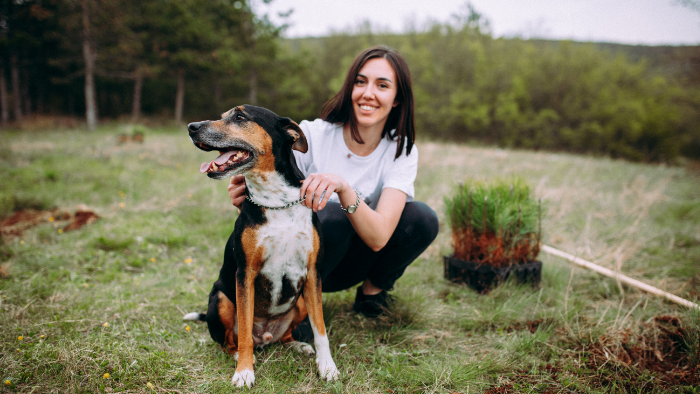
239,117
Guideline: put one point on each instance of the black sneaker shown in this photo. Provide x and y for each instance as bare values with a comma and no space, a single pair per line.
303,332
372,305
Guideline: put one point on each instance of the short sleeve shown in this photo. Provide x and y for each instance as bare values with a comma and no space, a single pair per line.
401,173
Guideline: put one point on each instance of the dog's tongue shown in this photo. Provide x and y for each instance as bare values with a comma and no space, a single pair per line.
219,161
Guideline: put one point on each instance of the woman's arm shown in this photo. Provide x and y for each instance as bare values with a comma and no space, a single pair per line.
375,227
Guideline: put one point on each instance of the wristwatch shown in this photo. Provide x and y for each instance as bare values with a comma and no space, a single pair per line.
352,208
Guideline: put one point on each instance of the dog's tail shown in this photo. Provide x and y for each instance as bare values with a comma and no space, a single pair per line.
200,317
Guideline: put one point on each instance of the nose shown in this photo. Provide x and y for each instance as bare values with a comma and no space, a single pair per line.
368,93
194,127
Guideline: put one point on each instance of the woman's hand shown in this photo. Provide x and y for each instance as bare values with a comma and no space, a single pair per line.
236,191
315,185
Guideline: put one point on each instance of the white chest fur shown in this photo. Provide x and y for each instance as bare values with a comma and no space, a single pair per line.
287,238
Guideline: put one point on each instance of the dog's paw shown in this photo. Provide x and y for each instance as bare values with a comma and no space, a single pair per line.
243,378
327,369
303,348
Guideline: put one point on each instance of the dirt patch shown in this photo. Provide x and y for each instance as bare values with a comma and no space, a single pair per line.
80,219
530,325
505,389
21,221
661,347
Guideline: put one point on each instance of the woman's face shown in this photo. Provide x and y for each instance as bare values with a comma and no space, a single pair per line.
374,93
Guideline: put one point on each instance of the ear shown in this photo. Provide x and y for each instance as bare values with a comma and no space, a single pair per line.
295,134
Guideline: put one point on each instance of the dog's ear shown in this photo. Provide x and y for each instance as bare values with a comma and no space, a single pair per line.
295,134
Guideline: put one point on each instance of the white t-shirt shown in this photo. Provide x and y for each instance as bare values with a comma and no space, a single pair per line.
369,175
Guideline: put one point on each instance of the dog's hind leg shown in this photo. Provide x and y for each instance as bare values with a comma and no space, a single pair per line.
299,312
222,323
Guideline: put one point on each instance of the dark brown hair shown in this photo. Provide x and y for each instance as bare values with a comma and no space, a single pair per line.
339,108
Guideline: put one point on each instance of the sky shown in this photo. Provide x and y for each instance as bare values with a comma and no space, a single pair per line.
642,22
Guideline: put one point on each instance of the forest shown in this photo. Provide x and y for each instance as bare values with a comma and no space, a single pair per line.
164,61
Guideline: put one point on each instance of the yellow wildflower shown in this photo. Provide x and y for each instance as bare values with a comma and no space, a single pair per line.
150,385
19,338
122,205
42,337
51,219
153,259
188,328
106,325
188,260
8,382
60,231
105,376
21,242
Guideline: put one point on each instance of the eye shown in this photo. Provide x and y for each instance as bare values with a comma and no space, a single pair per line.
359,82
239,117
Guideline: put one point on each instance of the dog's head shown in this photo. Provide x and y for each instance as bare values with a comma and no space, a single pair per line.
249,139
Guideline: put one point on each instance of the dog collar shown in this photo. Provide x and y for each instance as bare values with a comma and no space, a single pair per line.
291,204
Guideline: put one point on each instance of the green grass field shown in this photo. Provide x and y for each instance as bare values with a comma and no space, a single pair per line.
99,309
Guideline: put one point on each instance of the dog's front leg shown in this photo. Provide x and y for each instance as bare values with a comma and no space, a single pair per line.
312,296
245,297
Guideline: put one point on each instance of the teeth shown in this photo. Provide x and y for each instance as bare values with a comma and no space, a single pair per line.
367,107
214,166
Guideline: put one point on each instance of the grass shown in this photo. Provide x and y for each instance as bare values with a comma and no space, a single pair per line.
109,298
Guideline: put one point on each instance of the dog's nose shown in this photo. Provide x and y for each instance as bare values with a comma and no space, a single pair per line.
194,127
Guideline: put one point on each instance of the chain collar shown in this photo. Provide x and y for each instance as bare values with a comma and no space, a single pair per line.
291,204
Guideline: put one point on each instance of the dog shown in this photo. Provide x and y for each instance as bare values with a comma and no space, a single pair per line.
277,242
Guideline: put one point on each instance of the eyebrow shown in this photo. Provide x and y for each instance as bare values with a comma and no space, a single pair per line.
380,78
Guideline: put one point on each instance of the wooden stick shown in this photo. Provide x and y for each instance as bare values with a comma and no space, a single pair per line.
622,278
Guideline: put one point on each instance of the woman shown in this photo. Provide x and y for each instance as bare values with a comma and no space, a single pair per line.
360,169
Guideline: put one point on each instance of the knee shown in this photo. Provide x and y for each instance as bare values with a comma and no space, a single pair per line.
423,221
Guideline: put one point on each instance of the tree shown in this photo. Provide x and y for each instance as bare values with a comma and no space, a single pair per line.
692,4
89,57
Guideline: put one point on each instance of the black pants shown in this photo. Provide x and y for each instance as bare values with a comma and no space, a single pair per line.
348,261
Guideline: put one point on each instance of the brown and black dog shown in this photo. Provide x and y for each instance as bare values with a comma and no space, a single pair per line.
277,241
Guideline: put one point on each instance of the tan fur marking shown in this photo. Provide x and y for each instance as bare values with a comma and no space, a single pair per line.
253,253
262,141
244,301
245,298
312,289
227,314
